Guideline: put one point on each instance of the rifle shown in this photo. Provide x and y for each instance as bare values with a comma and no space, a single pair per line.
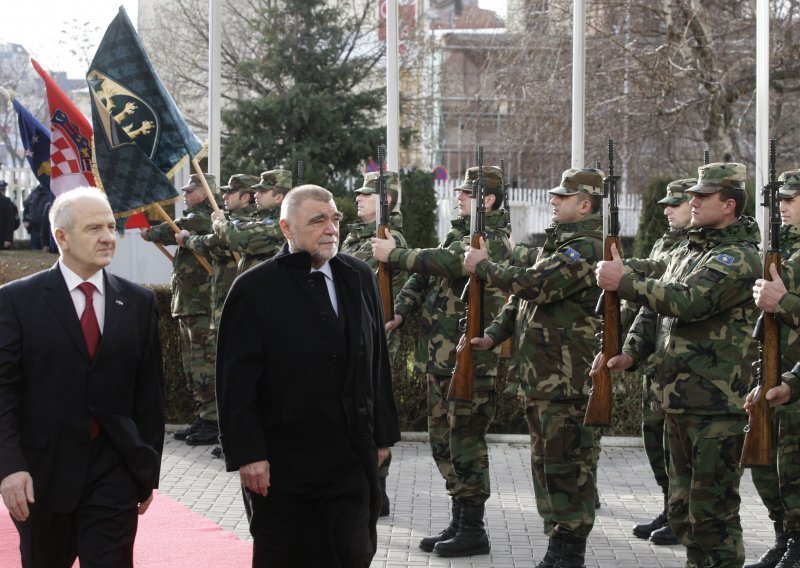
301,170
384,274
472,324
767,369
598,409
507,346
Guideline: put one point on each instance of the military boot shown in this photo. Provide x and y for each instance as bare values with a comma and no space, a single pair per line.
596,492
385,506
774,555
553,554
471,538
191,429
791,558
644,530
206,435
429,542
572,553
664,536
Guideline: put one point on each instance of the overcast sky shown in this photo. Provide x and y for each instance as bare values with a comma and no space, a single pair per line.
44,26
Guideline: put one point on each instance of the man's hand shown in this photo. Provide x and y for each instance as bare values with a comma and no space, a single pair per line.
7,245
144,505
17,491
218,215
776,396
474,255
609,272
382,247
143,233
179,237
619,362
768,293
395,323
255,477
383,455
478,343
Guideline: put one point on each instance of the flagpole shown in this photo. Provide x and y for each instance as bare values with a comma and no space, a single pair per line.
209,194
163,249
168,220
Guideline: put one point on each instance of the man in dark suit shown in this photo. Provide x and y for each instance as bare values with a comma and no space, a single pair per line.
304,392
81,401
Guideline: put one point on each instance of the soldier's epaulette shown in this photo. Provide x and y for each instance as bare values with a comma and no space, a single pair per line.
569,254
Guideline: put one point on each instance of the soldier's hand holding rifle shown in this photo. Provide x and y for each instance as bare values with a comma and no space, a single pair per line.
473,256
609,273
382,247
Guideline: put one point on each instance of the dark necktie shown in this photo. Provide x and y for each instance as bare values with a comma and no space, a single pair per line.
89,325
320,286
91,334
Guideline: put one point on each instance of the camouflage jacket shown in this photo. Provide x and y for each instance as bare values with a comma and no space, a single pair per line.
552,312
359,244
437,281
698,319
223,262
190,282
256,239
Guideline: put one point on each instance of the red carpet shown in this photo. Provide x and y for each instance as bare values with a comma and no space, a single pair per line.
170,536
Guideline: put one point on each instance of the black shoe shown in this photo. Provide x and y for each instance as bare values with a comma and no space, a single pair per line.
217,452
791,558
553,554
644,530
429,542
573,552
664,535
471,538
207,434
385,506
191,429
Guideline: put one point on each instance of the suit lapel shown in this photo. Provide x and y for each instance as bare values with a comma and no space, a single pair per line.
60,301
116,305
348,287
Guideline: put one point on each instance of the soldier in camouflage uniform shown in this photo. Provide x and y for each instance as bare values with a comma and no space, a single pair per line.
698,319
551,315
258,238
679,215
777,485
359,244
457,431
191,305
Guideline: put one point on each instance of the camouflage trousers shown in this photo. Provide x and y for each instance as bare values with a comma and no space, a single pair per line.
198,352
457,434
779,485
704,480
563,453
653,435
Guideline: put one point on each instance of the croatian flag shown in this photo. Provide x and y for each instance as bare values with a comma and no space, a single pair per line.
70,140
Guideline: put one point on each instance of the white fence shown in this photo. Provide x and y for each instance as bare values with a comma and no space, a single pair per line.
530,210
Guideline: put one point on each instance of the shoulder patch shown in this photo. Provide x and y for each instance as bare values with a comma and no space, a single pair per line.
725,259
269,221
571,254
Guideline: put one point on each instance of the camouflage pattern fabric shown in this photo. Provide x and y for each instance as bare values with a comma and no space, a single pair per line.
697,320
359,244
222,261
198,353
788,459
457,430
256,239
553,321
704,487
190,282
457,435
561,465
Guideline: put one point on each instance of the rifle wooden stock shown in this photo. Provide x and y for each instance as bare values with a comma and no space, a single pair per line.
385,282
758,434
461,383
598,409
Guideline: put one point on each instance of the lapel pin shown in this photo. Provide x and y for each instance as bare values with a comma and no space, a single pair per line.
119,302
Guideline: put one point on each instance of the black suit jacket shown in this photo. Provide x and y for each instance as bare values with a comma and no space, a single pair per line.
280,353
49,388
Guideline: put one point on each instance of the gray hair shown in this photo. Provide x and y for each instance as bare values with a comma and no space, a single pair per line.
298,195
63,211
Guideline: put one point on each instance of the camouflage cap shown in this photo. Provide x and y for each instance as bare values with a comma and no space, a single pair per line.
711,178
492,180
279,180
195,183
791,184
240,182
676,192
576,180
371,180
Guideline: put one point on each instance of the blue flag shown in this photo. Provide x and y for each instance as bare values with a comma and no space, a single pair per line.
36,140
124,81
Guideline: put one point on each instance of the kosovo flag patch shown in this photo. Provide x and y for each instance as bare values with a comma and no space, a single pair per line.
725,259
571,254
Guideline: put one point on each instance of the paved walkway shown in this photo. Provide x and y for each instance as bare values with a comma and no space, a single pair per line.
419,506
